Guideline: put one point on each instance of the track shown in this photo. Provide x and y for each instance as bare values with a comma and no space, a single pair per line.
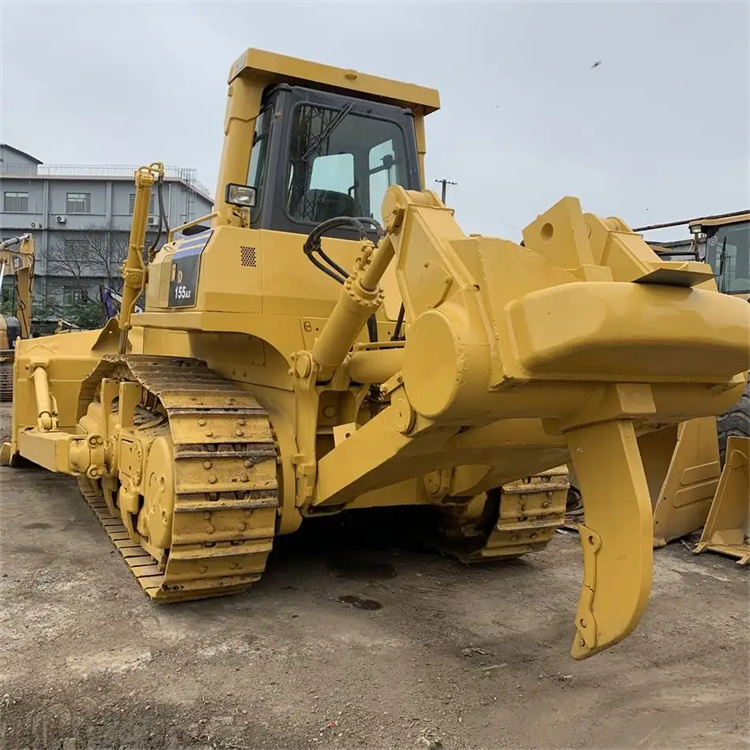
520,518
530,511
225,485
6,374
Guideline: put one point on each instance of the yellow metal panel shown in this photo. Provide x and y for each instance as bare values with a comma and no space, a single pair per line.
270,67
616,535
49,450
682,494
603,321
719,221
727,528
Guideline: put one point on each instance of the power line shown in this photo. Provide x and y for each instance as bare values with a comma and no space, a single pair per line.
445,184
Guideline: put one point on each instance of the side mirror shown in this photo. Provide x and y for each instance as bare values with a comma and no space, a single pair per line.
240,195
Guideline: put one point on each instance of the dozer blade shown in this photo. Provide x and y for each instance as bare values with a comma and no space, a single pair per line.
728,524
616,535
682,468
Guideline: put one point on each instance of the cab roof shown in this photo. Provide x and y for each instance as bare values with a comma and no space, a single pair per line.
721,219
270,68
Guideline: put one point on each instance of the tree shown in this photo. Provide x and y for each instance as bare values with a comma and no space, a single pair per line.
85,313
86,258
95,252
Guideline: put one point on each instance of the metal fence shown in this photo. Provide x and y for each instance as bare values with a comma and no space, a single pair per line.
99,170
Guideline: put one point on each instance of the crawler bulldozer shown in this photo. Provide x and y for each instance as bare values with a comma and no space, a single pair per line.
328,338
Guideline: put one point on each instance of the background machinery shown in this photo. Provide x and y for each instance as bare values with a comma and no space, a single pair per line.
705,482
111,300
297,358
16,259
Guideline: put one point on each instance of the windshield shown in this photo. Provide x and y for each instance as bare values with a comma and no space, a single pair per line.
341,163
728,254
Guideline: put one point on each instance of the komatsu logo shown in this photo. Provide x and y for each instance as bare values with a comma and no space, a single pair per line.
183,279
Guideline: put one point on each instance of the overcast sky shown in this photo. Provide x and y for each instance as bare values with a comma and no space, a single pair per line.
658,131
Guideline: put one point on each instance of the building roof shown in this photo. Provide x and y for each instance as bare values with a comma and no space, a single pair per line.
95,172
21,153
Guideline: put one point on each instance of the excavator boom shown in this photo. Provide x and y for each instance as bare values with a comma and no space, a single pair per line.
17,256
17,261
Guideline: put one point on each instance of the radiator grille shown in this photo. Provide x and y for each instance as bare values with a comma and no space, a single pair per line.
247,256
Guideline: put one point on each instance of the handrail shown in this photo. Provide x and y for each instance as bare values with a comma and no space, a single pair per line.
192,223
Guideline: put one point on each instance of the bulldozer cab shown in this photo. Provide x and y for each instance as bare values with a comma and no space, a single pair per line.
724,243
313,142
318,155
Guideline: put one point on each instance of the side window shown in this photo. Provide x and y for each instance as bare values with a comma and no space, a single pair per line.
78,203
728,253
256,175
382,170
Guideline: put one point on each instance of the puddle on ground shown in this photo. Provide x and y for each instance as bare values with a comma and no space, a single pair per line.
360,603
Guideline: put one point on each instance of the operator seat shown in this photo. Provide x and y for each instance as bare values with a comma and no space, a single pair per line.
327,204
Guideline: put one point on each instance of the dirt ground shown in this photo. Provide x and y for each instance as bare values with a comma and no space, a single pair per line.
353,639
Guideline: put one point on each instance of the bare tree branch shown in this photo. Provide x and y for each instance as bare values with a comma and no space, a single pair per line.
95,251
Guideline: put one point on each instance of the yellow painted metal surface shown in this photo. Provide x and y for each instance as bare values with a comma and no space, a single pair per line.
719,221
682,465
255,70
262,402
727,528
617,507
270,67
134,270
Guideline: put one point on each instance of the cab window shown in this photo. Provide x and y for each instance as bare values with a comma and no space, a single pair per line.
340,164
259,157
728,254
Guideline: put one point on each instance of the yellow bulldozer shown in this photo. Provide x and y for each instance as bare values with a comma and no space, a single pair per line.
17,258
328,339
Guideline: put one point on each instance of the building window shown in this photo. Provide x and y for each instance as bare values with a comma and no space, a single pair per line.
72,295
16,203
151,204
75,247
79,203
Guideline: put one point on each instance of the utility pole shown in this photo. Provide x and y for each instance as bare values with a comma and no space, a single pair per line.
445,183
